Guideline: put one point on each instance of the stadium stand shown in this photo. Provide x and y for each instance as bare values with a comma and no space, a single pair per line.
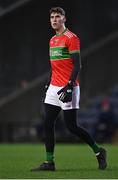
90,116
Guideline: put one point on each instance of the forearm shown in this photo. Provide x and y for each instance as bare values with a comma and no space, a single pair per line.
49,77
77,66
47,82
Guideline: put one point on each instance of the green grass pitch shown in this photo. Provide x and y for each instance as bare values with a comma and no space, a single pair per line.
72,162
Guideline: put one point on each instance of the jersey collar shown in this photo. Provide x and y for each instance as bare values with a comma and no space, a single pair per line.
62,32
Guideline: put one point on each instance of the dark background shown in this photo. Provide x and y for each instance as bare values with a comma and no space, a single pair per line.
24,62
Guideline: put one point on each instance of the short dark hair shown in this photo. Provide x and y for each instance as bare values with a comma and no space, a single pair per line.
57,10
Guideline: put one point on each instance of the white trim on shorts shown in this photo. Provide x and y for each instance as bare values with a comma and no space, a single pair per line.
53,98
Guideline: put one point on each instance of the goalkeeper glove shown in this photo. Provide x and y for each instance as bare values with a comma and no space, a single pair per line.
66,92
45,90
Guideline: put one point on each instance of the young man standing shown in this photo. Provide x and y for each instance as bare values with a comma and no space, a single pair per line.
63,92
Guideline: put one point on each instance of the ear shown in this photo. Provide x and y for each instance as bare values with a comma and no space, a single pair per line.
64,19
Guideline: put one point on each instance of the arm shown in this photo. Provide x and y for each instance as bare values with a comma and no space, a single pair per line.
47,83
77,66
49,78
66,92
74,51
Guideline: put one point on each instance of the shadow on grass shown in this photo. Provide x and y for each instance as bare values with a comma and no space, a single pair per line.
76,169
87,169
112,169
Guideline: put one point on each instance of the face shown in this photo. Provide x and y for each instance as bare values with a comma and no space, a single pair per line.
57,20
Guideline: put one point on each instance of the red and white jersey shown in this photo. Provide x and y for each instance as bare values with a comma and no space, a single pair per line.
61,47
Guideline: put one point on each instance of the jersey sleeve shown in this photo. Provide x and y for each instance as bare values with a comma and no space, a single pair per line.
74,45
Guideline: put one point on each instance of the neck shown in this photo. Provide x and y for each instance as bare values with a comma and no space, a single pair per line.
61,30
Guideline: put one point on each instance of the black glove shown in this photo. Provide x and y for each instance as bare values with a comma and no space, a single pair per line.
66,93
45,90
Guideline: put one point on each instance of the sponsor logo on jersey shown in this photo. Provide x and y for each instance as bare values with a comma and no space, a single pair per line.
55,52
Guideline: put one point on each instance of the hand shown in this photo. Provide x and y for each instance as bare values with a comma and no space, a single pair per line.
66,93
45,90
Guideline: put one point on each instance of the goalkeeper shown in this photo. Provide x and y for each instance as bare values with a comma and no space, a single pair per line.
63,90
